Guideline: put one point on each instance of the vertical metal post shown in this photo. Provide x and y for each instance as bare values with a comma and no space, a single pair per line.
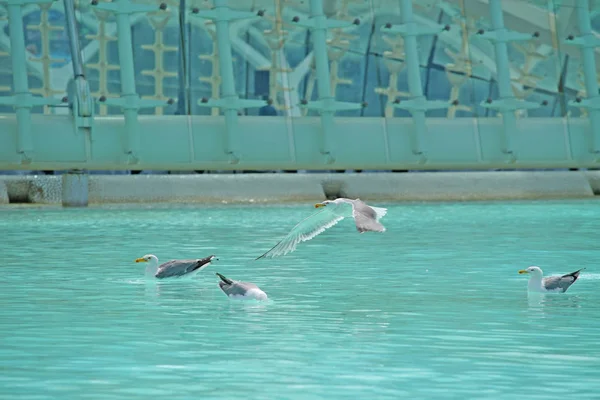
129,101
183,106
128,93
589,69
227,78
22,95
229,102
503,74
414,74
319,37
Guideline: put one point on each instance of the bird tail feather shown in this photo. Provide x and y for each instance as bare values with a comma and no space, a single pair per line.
380,211
576,273
224,279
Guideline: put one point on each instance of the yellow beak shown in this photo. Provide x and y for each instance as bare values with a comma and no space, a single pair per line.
140,260
319,205
522,271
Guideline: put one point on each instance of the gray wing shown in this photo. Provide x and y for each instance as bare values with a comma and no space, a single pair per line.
365,217
561,283
236,288
181,267
303,231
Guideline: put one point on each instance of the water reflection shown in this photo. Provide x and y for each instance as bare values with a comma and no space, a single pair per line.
549,302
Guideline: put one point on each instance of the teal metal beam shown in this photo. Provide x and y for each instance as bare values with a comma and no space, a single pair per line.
507,104
22,100
587,42
229,102
129,101
326,105
358,143
418,105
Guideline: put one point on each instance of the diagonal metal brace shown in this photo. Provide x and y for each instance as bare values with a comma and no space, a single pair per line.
134,102
27,100
330,105
26,2
421,104
412,29
322,22
585,42
224,14
125,8
231,103
590,104
505,36
510,104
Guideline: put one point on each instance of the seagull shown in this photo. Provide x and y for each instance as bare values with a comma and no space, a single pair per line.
174,268
551,284
240,290
332,211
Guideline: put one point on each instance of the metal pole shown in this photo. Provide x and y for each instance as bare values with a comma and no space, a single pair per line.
414,73
71,25
182,98
20,85
503,73
227,77
319,37
589,69
128,93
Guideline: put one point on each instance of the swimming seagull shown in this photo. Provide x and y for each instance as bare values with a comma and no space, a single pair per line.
174,268
240,290
556,284
365,217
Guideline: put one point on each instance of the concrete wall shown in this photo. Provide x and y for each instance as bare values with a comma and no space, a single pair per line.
256,188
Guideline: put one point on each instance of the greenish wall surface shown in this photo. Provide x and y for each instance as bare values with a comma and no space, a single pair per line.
263,143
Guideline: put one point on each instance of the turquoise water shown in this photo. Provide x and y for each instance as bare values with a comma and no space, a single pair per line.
433,308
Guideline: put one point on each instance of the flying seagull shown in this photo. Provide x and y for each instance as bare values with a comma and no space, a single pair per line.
332,212
556,284
240,290
174,268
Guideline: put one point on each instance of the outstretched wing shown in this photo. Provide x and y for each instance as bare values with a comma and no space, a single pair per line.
305,230
366,217
181,267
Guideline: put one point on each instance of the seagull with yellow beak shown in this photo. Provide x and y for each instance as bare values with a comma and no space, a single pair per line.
366,219
173,268
550,284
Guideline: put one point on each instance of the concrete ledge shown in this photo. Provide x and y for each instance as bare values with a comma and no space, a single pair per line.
258,188
3,193
493,185
216,188
593,178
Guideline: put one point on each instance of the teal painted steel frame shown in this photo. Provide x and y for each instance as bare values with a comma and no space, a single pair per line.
326,105
180,143
587,42
507,104
22,100
264,143
229,102
418,104
129,101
